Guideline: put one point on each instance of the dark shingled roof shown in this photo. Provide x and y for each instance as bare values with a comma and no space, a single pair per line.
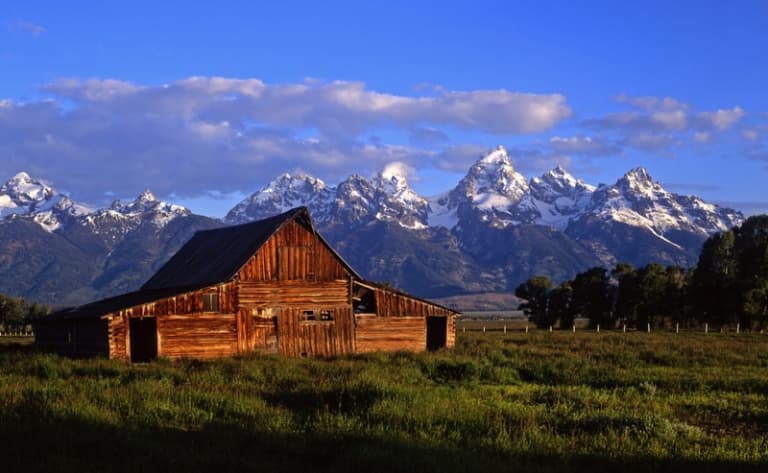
210,257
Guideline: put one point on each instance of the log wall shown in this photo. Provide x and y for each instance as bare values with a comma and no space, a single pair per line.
197,336
390,333
184,330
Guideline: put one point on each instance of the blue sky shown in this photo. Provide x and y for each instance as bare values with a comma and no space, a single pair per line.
205,103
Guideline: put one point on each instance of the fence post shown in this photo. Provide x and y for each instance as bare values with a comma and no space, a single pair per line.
483,328
624,328
550,329
706,327
677,327
738,326
648,328
574,328
464,329
598,328
526,329
505,329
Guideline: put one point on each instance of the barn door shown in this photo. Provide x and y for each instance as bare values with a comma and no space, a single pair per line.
264,332
437,333
143,333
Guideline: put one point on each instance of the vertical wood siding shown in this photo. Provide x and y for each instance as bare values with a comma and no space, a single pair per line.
316,338
293,253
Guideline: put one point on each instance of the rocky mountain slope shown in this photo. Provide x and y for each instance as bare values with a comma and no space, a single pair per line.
494,229
56,251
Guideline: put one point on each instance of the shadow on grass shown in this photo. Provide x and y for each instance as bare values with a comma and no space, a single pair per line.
76,445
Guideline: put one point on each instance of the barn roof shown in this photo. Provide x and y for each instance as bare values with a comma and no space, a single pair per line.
210,257
214,256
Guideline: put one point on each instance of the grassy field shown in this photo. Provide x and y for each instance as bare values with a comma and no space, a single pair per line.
538,402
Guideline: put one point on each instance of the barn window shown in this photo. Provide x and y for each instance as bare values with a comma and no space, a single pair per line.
307,315
326,315
211,302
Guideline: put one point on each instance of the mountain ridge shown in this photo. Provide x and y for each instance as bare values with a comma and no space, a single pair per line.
492,230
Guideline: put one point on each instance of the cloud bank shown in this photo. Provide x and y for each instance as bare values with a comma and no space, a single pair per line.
204,134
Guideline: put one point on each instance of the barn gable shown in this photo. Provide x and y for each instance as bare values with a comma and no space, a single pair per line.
218,255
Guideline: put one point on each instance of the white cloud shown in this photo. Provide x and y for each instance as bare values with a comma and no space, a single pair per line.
649,141
720,119
399,169
203,134
585,145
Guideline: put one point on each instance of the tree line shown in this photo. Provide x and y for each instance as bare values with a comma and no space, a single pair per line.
729,285
16,312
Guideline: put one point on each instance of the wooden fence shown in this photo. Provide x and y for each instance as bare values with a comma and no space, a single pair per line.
582,325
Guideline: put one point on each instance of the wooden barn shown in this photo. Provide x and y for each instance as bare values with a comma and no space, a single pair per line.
272,286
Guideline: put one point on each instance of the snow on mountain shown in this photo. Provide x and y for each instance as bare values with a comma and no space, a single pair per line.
492,193
24,196
492,187
120,218
637,200
396,201
556,197
281,194
356,200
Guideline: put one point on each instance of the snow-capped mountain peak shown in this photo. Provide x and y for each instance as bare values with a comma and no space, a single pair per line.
395,201
284,192
23,195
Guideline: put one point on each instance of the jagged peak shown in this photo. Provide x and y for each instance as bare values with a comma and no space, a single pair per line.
21,176
289,179
560,177
146,196
638,174
498,154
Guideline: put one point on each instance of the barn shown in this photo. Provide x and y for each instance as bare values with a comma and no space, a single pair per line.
273,286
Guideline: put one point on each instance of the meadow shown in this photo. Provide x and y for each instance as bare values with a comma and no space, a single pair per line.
539,402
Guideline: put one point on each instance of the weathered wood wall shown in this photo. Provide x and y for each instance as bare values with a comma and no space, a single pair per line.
184,330
451,339
293,253
316,338
197,336
390,333
393,304
292,293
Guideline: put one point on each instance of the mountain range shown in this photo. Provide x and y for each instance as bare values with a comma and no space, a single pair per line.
493,230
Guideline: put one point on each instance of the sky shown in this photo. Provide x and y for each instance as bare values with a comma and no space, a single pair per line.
205,103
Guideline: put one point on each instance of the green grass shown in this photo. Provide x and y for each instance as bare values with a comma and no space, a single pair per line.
538,402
